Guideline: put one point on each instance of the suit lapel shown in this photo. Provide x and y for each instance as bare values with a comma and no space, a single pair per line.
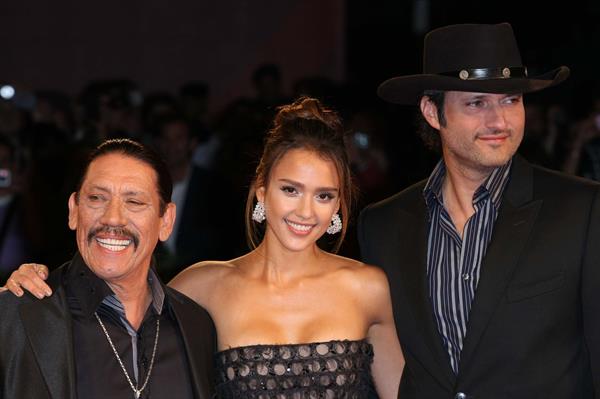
197,339
511,231
413,253
49,332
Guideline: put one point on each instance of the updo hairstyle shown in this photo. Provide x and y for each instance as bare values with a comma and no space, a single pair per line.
308,125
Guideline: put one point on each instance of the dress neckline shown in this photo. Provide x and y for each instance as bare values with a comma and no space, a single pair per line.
330,342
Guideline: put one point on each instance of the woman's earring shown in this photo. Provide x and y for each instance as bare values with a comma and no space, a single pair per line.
336,224
258,215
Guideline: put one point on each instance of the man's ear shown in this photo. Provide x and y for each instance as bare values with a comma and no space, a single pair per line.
167,221
73,211
430,112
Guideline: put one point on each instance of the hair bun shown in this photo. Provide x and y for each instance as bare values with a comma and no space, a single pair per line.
307,108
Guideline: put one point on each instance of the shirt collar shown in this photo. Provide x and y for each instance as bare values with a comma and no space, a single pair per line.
492,187
90,290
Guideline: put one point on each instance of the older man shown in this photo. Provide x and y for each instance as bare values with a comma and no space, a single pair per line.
494,264
111,329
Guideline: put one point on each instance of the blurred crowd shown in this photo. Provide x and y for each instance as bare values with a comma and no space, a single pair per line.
45,137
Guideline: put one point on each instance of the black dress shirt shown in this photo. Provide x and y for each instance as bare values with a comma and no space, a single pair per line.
99,374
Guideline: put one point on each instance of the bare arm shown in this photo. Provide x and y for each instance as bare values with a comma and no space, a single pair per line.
388,361
29,277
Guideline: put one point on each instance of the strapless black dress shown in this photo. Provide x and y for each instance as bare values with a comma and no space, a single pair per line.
330,370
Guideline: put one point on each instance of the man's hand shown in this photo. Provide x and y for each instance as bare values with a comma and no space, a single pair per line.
29,276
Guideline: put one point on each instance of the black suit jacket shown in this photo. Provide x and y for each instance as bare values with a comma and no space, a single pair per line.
534,326
36,344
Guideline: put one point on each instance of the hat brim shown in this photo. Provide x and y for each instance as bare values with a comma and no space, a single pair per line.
409,89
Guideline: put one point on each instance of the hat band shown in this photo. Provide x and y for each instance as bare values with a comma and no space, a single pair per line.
488,73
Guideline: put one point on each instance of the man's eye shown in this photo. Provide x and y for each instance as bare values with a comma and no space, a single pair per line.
94,198
475,103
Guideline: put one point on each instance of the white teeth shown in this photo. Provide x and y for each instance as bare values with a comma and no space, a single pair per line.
113,241
113,244
300,227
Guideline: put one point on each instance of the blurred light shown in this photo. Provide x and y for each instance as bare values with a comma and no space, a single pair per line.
136,98
361,140
7,92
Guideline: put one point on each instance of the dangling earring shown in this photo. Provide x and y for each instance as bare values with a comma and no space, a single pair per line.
258,215
336,224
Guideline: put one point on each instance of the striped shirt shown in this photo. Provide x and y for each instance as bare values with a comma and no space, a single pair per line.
453,263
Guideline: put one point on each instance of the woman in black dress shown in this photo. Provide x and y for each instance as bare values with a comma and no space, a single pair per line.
295,321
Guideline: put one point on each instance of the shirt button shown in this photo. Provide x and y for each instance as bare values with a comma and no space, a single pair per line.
460,395
466,277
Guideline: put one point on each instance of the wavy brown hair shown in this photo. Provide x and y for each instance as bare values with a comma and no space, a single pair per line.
309,125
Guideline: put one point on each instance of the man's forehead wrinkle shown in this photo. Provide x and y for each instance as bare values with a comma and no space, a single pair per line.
124,188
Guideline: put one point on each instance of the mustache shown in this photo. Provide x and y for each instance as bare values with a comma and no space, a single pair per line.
120,231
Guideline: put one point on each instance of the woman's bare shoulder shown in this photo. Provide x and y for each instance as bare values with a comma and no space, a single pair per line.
360,270
369,283
202,278
363,278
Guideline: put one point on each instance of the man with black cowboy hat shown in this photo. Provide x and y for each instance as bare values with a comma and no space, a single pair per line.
494,264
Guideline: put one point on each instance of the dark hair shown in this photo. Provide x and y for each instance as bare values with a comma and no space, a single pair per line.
429,135
140,152
304,124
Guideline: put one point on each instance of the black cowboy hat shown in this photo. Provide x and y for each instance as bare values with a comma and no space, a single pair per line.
469,57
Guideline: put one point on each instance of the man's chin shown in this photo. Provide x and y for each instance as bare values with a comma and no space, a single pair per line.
99,258
494,159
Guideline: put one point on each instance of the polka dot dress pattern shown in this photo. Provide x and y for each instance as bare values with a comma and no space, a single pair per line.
320,370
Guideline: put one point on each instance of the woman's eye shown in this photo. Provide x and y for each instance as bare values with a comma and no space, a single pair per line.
325,196
289,189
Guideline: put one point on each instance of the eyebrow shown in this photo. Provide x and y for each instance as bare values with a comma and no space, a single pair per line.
486,95
99,188
300,185
106,190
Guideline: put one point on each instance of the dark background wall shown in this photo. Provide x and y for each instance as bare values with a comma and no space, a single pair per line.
159,45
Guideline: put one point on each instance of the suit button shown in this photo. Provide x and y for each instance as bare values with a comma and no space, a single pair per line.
460,395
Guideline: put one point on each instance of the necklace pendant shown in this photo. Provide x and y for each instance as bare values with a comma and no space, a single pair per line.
137,394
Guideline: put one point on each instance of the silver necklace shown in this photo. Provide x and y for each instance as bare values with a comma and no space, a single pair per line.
137,392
